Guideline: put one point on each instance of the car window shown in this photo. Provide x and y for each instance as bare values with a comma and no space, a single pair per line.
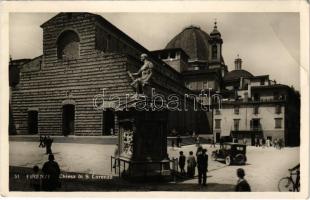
240,148
227,147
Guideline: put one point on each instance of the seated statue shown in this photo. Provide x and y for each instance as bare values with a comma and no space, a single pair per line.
144,73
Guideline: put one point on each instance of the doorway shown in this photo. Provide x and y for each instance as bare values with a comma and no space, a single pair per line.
217,137
108,124
32,122
68,113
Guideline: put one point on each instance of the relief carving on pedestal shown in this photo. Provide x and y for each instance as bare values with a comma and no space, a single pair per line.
127,143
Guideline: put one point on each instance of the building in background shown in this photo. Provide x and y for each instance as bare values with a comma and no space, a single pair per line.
254,107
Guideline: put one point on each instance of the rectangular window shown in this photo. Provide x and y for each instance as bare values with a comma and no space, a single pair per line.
262,82
236,124
255,110
236,110
278,122
214,52
278,109
217,123
276,96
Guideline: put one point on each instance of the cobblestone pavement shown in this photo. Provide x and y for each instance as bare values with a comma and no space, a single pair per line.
263,169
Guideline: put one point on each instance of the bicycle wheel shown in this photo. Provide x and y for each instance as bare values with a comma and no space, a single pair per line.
286,185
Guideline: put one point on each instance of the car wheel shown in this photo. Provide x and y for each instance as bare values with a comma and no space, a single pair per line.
240,159
228,160
214,156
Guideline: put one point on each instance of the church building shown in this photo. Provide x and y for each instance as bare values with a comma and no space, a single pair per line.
84,55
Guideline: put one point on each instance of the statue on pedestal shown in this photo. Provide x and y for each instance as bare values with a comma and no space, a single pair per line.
144,73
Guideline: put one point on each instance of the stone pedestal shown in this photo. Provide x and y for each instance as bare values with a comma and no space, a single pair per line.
143,142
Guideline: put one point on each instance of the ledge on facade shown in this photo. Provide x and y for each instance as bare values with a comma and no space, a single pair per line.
261,101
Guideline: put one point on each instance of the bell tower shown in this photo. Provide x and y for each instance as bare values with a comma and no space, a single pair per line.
215,47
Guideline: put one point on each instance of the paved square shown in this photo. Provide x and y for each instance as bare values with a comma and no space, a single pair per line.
265,166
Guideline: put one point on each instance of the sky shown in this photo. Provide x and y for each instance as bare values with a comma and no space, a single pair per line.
267,43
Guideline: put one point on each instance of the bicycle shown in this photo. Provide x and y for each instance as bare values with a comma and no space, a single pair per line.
287,184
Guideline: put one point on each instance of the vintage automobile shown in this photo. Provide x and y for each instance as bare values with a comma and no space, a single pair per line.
231,153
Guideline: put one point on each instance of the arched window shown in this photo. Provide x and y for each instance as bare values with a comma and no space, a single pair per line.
68,45
214,51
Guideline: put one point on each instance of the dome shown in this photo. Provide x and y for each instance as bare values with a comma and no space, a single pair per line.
193,41
235,74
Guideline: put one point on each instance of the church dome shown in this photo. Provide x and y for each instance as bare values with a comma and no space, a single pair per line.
238,73
193,41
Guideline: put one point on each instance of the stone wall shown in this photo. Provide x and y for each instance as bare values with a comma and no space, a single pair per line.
75,82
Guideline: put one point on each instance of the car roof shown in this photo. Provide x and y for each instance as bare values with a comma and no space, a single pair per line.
234,144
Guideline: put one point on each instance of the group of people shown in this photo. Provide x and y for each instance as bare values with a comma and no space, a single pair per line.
201,162
48,178
276,143
46,142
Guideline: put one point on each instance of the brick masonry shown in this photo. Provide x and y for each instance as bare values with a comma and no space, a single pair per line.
47,82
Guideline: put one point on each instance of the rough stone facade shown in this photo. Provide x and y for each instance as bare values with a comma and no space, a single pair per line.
82,55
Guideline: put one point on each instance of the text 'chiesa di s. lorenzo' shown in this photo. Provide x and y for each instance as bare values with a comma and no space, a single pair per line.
83,54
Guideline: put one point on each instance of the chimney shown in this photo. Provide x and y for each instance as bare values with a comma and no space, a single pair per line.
238,63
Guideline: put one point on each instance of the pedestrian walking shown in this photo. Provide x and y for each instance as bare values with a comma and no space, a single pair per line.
51,173
48,145
268,142
242,184
202,165
191,165
257,142
197,141
212,143
275,143
263,142
178,141
182,159
41,142
280,143
172,143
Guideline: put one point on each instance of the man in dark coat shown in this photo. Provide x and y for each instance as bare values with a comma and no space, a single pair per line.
202,165
51,173
48,145
182,162
242,184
